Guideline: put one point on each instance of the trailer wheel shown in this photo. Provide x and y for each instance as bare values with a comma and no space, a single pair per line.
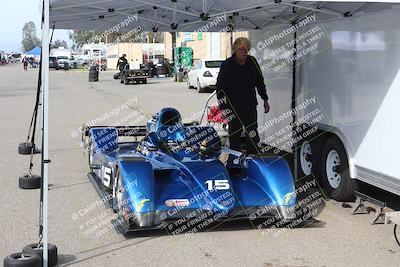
38,250
22,260
305,158
335,171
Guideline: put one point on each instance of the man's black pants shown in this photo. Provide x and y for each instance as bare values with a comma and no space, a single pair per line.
248,120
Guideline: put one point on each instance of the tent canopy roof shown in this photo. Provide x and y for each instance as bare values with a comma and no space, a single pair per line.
193,15
35,51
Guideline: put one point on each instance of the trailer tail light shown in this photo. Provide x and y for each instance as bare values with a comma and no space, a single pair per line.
207,74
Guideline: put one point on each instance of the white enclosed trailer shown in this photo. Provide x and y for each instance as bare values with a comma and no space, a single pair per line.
342,89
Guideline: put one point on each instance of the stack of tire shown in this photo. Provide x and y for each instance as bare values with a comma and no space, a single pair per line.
31,256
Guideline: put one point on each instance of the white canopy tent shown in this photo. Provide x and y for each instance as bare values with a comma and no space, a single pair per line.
170,16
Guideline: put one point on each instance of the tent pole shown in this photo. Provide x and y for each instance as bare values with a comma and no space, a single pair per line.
45,103
295,161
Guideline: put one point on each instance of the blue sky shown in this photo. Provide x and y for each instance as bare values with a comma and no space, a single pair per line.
14,14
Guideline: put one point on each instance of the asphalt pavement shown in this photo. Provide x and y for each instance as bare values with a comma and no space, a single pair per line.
340,239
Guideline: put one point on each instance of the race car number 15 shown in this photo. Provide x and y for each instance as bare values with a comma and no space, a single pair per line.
217,185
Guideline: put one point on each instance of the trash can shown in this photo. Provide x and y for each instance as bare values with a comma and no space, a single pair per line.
93,74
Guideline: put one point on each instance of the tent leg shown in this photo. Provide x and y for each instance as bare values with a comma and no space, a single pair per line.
295,161
45,102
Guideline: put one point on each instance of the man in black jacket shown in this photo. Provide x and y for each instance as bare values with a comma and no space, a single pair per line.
238,77
122,63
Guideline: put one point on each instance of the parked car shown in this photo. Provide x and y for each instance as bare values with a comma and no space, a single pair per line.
53,63
63,62
203,75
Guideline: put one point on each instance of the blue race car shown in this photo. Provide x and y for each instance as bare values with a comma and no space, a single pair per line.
180,172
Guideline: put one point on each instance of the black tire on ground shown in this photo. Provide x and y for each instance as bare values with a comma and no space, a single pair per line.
335,172
30,182
26,148
126,81
188,83
34,249
199,89
117,76
26,260
145,80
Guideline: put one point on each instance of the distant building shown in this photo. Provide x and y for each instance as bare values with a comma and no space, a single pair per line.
204,44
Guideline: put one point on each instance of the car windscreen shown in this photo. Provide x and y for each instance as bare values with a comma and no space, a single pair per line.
62,57
52,58
213,64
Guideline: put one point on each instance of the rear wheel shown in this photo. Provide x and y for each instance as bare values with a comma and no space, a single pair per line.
126,81
335,171
199,88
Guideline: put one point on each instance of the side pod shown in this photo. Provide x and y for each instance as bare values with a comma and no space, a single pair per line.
137,184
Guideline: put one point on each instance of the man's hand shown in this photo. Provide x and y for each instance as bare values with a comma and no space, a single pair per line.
266,106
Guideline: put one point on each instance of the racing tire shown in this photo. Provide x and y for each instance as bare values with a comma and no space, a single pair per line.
30,182
335,172
199,89
26,148
117,76
34,249
22,260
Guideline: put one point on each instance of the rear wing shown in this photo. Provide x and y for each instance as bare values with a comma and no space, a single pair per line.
137,131
134,131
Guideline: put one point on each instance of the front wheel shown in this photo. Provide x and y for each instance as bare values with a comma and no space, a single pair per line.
305,158
335,171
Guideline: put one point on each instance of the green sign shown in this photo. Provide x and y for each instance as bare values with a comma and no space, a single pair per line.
199,36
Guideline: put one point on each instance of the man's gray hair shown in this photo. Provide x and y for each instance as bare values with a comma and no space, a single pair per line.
240,42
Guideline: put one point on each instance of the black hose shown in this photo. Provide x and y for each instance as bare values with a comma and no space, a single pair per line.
395,234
